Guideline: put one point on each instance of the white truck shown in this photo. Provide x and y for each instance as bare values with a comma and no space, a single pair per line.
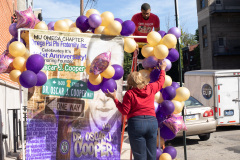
219,89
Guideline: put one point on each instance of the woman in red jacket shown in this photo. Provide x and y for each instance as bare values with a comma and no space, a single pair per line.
138,105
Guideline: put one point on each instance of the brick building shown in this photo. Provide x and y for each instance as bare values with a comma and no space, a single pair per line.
219,34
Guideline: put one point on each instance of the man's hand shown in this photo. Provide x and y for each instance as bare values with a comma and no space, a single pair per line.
111,95
162,65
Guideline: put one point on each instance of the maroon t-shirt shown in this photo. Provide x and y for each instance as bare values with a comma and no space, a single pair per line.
143,27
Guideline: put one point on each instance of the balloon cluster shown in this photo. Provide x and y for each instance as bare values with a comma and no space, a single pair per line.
102,75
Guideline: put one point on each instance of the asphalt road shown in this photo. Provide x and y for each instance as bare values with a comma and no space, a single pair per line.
224,144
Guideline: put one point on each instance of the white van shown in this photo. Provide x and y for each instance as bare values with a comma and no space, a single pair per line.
219,89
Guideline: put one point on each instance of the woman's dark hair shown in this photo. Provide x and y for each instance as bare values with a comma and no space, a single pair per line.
145,6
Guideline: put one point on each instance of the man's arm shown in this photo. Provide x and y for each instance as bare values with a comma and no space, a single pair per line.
157,29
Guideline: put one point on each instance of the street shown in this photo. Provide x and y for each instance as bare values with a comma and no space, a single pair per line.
223,144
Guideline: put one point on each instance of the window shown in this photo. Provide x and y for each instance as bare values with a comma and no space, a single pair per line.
204,30
221,42
202,4
219,2
204,35
192,102
205,42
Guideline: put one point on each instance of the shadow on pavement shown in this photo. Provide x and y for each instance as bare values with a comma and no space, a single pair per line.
179,141
227,128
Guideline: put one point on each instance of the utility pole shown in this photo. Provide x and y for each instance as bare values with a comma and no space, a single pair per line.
81,7
180,70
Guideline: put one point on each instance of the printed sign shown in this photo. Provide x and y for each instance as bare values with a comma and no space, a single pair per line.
207,91
65,119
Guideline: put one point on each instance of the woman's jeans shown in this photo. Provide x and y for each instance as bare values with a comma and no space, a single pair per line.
142,131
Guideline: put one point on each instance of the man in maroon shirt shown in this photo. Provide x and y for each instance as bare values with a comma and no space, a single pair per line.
145,21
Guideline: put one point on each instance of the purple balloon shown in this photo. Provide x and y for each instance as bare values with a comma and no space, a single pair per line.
93,87
170,150
119,20
35,63
154,75
167,107
175,31
13,29
173,55
28,79
119,72
169,64
166,133
128,28
41,78
150,62
94,20
162,33
175,85
51,25
158,153
82,23
110,85
169,93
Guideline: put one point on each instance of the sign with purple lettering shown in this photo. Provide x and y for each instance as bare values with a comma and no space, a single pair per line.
66,120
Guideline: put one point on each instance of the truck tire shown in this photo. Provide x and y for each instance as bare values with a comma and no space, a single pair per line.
204,137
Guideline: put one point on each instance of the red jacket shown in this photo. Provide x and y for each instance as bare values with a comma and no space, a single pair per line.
137,102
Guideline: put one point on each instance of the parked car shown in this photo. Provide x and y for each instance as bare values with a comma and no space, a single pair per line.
199,119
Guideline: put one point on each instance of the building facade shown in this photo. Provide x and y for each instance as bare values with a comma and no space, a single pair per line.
191,59
219,33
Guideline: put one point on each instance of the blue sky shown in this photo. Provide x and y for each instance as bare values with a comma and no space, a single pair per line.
54,10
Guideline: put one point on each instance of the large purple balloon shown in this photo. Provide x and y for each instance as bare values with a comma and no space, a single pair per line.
156,106
166,133
93,87
41,78
128,27
154,75
28,79
13,29
94,20
150,62
173,55
118,72
169,93
167,107
119,20
175,85
110,85
82,23
162,33
51,25
35,63
158,153
170,150
175,31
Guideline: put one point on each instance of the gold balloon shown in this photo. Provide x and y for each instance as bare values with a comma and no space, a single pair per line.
165,156
73,25
19,63
114,28
178,107
130,45
161,51
147,51
168,81
183,103
105,31
95,79
182,94
169,40
92,11
99,30
146,74
69,22
25,36
75,30
88,69
153,38
158,97
109,72
61,25
27,54
14,75
107,17
17,49
41,25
